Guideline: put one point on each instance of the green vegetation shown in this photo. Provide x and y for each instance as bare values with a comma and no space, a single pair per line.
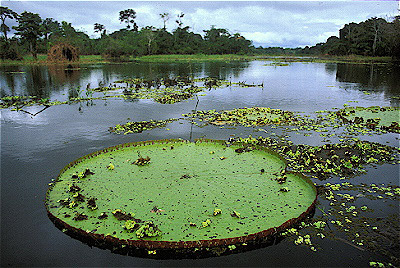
255,116
138,127
342,211
164,91
204,196
39,35
373,37
383,118
341,159
193,57
287,60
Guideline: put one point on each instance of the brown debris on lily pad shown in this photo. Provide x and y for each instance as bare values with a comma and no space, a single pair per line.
122,216
80,217
142,161
91,203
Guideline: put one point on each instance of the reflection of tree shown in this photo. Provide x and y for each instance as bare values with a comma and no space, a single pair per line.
223,70
330,68
64,73
377,77
36,82
41,81
7,81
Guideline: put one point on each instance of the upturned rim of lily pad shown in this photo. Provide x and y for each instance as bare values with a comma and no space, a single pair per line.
110,241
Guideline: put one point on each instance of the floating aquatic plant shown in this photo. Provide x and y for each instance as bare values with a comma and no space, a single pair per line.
236,182
382,119
139,127
342,159
255,116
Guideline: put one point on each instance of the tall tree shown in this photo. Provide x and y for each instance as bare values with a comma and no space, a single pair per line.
347,36
6,13
50,26
218,40
164,40
29,30
334,46
67,29
128,16
393,37
100,28
179,19
165,17
376,27
149,33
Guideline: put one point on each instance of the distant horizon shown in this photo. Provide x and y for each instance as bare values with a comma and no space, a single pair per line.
286,24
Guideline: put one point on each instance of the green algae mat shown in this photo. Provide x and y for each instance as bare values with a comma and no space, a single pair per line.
178,194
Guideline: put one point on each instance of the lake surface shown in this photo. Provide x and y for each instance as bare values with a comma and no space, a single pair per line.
35,148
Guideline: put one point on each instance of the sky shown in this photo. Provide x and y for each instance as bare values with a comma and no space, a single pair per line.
266,23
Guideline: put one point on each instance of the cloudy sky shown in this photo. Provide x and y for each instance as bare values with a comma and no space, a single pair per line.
266,23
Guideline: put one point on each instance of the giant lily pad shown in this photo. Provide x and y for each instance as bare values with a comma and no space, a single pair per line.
178,194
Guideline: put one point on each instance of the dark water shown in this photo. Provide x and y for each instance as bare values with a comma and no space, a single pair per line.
35,148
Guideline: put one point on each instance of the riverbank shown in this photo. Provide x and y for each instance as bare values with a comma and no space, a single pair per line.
42,60
90,59
329,58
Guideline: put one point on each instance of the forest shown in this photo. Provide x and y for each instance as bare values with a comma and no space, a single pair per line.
35,35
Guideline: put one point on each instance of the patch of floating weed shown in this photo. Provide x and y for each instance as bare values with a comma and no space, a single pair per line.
165,91
376,234
21,101
139,127
346,219
255,116
173,97
362,120
341,159
277,63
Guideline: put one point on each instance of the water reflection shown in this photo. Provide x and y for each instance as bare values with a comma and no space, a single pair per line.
330,68
371,77
55,80
64,73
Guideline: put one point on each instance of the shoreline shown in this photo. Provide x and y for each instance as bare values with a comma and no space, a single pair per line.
98,59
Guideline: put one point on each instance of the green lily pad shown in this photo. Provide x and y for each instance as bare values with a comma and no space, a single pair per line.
187,195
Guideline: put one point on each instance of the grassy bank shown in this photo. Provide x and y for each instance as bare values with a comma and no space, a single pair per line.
329,58
196,57
42,60
87,59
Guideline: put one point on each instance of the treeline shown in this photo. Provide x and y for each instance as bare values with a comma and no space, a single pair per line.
373,37
36,35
